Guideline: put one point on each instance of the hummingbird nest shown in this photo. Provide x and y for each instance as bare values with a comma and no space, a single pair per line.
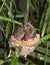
25,40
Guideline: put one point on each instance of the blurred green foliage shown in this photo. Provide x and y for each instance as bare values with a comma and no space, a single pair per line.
13,13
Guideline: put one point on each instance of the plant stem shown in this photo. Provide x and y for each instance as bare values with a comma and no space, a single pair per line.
6,5
27,11
46,54
45,37
9,20
2,5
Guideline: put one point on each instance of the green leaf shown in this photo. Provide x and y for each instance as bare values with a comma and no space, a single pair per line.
27,63
14,60
47,18
1,62
45,37
26,14
8,29
9,20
